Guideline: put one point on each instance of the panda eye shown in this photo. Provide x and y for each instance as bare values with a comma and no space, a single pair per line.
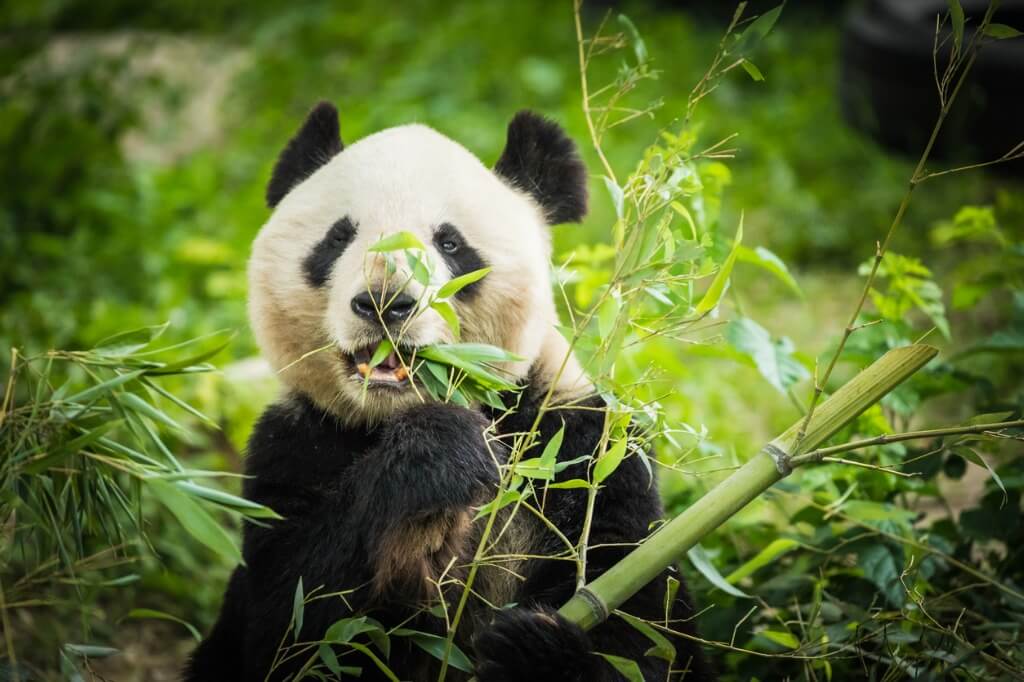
449,246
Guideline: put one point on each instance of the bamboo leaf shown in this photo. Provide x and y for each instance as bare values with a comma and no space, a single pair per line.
609,461
717,288
783,639
626,667
617,195
420,271
194,519
766,556
702,562
239,504
956,17
766,260
103,388
383,350
298,609
457,284
153,613
752,70
662,648
435,646
397,242
1001,31
137,404
447,313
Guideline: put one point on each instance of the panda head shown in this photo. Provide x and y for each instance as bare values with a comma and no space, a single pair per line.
320,299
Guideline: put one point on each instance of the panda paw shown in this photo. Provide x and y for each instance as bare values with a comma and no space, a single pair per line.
524,644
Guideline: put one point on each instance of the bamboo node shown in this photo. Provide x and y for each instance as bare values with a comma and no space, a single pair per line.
780,457
596,604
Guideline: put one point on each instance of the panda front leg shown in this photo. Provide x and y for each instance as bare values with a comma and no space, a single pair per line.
369,524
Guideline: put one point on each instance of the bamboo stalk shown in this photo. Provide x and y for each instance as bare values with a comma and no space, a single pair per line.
593,603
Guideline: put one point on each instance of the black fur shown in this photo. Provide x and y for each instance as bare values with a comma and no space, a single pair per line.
524,644
541,160
316,143
464,259
343,492
317,265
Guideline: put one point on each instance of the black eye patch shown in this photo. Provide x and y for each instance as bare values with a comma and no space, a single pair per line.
458,255
317,265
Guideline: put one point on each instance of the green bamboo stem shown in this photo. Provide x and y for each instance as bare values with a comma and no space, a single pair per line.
593,603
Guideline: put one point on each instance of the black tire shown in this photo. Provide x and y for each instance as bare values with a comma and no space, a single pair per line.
887,87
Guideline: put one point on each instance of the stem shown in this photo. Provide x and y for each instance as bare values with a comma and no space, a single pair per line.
585,91
880,250
591,605
822,453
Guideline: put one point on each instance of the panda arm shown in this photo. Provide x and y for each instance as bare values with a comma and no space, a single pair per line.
626,506
347,496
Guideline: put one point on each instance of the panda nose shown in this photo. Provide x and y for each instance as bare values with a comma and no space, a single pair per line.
398,309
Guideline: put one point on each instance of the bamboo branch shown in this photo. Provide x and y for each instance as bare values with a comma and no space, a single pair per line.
822,454
592,604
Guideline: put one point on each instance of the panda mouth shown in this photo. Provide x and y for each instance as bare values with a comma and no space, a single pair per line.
390,371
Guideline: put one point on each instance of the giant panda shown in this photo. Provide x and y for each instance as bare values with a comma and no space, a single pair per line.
378,486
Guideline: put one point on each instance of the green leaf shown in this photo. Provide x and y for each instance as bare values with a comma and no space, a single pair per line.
758,29
766,260
783,639
383,350
773,551
609,461
772,357
137,404
90,650
153,613
1001,31
551,450
639,47
298,609
329,659
233,502
626,667
342,631
702,562
570,484
397,242
103,388
534,468
457,284
435,646
126,343
663,648
607,314
617,195
974,456
882,566
447,313
420,271
752,70
194,519
507,498
717,288
956,16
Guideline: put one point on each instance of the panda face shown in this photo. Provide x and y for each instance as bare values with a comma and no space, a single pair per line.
321,300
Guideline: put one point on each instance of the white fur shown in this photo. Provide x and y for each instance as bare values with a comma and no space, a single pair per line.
410,178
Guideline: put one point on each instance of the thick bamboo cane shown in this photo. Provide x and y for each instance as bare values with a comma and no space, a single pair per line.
594,602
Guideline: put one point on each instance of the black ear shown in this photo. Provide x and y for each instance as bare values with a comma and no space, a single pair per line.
317,141
541,160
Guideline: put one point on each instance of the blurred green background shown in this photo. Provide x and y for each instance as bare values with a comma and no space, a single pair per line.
138,137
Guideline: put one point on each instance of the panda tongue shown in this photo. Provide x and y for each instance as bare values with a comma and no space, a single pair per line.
390,362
